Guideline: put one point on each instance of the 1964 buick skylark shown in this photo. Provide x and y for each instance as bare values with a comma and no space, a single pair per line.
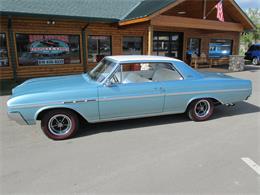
123,87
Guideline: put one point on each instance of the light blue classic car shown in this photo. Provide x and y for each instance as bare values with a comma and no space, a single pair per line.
123,87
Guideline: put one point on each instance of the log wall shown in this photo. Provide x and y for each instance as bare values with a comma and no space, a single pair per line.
40,26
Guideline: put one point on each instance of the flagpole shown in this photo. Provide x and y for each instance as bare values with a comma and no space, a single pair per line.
211,10
204,9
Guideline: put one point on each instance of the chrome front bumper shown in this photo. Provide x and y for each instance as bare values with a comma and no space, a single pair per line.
17,117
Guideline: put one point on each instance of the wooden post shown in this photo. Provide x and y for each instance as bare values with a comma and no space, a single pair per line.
150,40
12,47
84,49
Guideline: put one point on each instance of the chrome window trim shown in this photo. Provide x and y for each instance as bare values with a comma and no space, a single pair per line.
111,73
174,68
170,63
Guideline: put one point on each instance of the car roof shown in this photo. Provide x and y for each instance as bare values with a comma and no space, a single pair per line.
140,58
257,44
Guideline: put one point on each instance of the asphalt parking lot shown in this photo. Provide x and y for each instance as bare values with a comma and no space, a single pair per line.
167,154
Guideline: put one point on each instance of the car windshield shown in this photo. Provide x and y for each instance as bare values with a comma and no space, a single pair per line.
101,71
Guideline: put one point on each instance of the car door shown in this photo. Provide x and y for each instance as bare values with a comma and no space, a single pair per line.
132,99
176,95
176,89
129,100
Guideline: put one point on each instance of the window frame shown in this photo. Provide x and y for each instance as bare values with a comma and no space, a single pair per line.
8,50
133,36
169,42
49,33
119,67
231,47
111,47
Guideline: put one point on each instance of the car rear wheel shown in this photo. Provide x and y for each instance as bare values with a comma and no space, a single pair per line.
200,110
255,61
59,124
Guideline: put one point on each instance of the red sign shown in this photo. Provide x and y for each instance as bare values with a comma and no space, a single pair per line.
33,38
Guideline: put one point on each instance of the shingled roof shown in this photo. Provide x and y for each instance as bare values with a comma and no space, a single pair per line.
103,10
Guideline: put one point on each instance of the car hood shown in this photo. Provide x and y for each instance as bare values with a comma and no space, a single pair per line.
53,84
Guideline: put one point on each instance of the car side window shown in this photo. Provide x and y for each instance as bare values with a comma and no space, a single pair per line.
144,73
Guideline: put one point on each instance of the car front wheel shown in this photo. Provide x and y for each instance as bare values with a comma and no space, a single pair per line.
59,124
200,110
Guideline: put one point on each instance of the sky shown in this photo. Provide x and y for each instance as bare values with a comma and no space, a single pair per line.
245,4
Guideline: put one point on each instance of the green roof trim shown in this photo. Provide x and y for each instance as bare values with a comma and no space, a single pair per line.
48,16
148,7
109,11
99,9
92,10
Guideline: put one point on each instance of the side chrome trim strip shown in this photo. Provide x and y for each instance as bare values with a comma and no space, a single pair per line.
55,103
209,91
170,94
125,98
130,97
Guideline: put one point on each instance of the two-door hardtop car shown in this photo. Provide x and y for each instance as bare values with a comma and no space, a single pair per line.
123,87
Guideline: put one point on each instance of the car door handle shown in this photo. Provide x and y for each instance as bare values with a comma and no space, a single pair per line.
160,89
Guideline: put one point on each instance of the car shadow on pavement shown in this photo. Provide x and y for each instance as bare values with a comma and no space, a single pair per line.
239,108
90,129
220,112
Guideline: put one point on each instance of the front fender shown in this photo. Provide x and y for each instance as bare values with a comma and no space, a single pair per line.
88,110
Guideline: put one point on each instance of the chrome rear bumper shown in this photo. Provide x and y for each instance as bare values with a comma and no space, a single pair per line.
17,117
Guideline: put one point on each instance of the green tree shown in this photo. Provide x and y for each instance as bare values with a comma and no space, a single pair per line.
248,38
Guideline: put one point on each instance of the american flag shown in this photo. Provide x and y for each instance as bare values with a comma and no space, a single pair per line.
220,14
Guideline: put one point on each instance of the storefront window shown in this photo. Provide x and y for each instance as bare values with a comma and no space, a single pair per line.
35,49
132,45
167,44
3,51
98,48
219,48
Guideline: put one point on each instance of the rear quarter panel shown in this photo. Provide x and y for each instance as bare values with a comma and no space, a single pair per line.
179,94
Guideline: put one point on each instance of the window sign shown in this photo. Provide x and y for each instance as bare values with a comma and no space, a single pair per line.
219,48
47,49
98,48
132,45
3,51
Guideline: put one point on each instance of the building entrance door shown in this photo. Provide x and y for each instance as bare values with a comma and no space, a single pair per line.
168,44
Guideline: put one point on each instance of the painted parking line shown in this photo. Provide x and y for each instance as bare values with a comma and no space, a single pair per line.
252,164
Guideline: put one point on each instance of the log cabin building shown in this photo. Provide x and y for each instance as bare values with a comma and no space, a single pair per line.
58,37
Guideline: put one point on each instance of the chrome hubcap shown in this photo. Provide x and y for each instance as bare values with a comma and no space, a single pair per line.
202,108
255,61
60,124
